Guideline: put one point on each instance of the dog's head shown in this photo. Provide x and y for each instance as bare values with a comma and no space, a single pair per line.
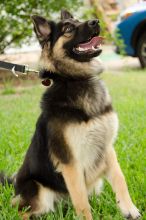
69,45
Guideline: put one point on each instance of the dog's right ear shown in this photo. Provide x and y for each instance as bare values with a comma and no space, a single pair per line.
42,28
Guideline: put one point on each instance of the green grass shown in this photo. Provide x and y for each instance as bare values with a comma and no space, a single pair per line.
8,88
18,114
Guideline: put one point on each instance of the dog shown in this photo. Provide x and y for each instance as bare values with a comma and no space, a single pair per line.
72,146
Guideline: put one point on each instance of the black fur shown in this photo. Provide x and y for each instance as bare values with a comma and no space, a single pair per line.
37,164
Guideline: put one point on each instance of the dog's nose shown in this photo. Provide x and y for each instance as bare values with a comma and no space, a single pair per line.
93,23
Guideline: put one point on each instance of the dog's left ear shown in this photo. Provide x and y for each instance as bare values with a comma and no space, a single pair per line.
65,14
42,28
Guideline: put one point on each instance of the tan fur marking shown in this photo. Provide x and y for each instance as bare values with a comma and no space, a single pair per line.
117,181
71,66
86,139
92,180
44,201
58,51
45,59
74,179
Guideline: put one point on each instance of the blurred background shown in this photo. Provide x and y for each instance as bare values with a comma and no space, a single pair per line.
123,26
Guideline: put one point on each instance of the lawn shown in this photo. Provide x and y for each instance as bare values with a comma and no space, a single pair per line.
19,109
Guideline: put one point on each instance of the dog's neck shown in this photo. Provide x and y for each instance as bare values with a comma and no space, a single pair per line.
70,68
75,68
49,75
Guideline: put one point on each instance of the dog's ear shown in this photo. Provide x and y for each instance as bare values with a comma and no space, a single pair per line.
42,28
65,14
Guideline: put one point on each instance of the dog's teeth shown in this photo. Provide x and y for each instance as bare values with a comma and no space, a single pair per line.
85,49
93,48
81,49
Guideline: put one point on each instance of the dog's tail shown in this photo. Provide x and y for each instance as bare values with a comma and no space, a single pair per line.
5,179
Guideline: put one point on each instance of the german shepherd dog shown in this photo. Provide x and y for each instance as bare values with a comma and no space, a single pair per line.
72,147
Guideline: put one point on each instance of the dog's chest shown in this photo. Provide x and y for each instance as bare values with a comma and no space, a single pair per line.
88,141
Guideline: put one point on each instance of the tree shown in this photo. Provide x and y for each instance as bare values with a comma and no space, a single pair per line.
15,21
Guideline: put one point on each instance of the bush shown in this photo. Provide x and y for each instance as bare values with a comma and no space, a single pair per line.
15,18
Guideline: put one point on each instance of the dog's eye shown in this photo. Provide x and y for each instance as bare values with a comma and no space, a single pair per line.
68,29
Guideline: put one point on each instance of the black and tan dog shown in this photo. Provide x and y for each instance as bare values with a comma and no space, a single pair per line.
72,147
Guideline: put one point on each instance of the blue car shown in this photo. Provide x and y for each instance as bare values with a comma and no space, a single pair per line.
131,28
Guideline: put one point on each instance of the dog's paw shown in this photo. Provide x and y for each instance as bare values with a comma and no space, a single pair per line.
133,213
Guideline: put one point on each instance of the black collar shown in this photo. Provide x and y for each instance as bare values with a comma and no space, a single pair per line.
47,75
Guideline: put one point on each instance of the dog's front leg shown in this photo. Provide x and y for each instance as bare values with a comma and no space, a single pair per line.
116,179
74,179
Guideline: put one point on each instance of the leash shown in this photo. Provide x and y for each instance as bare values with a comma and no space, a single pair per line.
23,69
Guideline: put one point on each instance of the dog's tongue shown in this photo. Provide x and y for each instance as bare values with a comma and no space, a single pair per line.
94,42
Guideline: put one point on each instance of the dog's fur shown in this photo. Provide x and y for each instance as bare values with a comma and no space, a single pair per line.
72,147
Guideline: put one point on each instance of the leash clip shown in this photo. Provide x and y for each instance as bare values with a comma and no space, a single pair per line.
28,70
13,71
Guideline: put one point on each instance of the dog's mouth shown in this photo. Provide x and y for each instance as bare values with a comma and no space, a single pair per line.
91,46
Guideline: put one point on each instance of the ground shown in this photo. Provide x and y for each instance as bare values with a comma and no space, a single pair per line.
19,109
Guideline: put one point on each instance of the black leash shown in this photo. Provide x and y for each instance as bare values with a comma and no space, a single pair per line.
24,69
